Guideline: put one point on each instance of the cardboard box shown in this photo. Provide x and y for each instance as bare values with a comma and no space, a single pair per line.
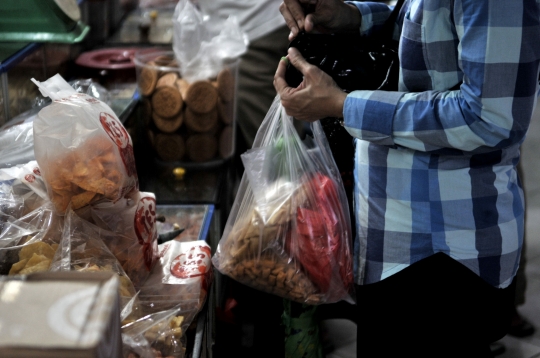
60,314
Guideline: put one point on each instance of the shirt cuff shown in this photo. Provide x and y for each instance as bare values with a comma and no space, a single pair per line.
369,115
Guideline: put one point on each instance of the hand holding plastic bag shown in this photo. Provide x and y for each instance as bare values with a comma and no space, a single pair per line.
289,232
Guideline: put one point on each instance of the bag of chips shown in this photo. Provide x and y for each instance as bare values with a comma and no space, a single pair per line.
84,152
289,231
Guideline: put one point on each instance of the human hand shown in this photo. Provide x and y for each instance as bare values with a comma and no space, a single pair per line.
316,97
323,16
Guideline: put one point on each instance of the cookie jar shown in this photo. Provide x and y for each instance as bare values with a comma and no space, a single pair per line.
187,124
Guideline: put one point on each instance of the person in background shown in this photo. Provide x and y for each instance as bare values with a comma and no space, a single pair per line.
439,206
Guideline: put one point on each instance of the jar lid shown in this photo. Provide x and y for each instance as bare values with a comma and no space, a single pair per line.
108,58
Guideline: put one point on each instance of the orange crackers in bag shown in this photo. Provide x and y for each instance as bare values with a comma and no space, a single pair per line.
83,150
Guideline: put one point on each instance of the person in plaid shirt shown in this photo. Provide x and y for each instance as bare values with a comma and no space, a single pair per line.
439,205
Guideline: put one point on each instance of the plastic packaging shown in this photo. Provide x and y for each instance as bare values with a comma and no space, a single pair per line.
83,249
133,218
84,152
37,232
200,52
183,274
289,231
161,334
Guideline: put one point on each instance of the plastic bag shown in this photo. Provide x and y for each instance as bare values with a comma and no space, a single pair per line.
17,136
200,52
183,274
24,183
17,140
133,217
289,232
83,249
83,150
161,334
28,243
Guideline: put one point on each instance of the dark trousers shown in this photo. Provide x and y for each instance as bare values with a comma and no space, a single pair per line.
434,308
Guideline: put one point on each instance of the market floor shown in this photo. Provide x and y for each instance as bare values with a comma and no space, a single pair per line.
342,333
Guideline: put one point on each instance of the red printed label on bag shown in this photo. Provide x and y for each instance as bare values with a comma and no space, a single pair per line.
114,129
29,178
37,171
193,263
145,220
119,135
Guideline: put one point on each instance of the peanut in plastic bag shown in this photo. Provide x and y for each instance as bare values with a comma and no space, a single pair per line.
289,231
84,152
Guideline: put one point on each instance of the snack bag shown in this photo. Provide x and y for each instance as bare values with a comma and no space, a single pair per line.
183,274
83,249
289,232
24,183
28,243
84,152
160,334
133,217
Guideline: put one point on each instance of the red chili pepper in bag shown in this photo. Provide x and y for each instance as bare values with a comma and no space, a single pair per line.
317,241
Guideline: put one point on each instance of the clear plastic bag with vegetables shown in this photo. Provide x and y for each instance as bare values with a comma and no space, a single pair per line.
289,231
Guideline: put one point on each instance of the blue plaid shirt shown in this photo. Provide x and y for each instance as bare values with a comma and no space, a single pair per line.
436,168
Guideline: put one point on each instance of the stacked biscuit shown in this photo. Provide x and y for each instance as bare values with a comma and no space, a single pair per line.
189,122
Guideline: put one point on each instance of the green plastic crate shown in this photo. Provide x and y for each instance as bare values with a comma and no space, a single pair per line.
41,21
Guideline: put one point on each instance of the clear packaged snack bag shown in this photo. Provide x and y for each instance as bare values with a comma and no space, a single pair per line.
83,249
84,152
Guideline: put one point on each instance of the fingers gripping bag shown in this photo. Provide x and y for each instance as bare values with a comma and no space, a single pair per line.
289,231
84,152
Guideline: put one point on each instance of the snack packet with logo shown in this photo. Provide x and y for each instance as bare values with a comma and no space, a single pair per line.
182,275
84,152
134,217
23,183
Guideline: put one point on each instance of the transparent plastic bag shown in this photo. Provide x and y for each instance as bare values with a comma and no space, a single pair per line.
28,243
133,217
200,51
84,152
23,183
289,231
82,248
161,334
182,275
